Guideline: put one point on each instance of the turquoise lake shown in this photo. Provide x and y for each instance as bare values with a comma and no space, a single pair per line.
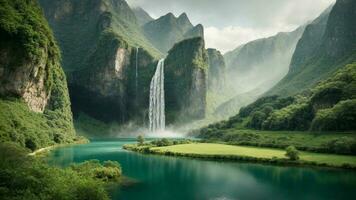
166,178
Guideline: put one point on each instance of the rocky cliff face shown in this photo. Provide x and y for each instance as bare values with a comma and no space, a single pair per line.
167,30
217,73
186,69
310,41
22,76
101,57
31,74
335,49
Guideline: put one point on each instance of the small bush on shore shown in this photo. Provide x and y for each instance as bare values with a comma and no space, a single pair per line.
292,153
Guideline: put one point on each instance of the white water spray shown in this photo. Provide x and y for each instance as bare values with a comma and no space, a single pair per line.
157,105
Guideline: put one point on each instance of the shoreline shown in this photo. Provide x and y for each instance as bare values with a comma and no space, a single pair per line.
239,158
45,150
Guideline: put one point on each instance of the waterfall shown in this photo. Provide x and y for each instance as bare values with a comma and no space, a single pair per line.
157,105
136,73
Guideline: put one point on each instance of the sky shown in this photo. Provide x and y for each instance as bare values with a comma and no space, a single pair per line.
231,23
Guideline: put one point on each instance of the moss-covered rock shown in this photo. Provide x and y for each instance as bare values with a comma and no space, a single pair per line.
186,69
107,59
32,79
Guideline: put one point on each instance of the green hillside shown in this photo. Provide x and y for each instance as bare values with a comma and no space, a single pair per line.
329,106
324,56
34,100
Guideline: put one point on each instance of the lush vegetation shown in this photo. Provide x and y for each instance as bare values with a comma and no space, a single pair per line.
142,146
326,46
32,130
25,177
22,22
330,106
292,153
248,154
340,143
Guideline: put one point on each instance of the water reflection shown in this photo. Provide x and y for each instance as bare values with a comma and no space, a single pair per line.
164,177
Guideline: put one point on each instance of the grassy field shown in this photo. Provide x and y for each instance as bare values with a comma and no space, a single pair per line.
229,150
307,141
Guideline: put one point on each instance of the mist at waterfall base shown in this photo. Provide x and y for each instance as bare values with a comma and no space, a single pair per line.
156,127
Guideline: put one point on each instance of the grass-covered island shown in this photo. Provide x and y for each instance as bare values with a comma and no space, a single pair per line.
221,151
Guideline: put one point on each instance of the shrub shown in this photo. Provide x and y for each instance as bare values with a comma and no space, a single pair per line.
341,117
292,153
24,177
342,145
140,140
109,171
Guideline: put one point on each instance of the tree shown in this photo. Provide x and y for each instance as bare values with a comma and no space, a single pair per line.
292,153
140,140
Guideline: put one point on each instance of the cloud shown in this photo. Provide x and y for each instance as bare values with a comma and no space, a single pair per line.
230,37
239,20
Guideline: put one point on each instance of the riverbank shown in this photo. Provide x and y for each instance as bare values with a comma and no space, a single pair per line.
318,142
45,150
223,152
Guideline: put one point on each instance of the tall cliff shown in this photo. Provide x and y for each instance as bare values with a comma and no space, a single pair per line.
332,45
186,69
106,57
167,30
34,101
217,71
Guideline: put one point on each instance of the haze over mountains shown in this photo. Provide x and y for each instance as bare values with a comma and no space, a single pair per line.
114,52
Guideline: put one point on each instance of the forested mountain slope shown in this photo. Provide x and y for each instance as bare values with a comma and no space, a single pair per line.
321,52
34,100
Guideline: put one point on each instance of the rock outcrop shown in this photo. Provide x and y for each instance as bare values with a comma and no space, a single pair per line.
34,100
186,71
217,73
102,57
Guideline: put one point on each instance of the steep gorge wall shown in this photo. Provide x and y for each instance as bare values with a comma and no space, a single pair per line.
333,46
217,71
34,100
186,71
99,40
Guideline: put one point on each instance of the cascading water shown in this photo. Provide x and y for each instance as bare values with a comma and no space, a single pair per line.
136,73
157,104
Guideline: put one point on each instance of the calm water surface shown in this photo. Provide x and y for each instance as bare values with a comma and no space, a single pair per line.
166,178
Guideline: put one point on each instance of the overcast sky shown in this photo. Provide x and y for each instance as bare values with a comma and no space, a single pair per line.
230,23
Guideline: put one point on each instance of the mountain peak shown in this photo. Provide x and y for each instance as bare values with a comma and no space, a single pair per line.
170,15
142,16
183,16
184,22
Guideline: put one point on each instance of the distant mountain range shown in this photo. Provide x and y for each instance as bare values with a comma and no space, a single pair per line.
167,30
318,92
